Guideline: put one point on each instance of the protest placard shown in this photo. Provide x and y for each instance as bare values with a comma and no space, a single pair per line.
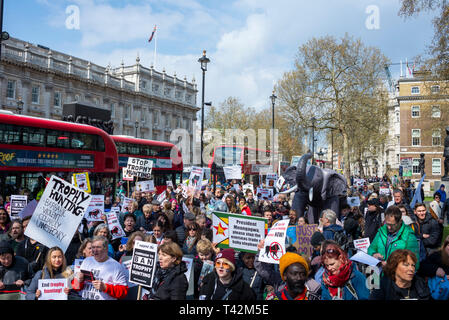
189,274
114,225
279,183
81,180
196,178
362,244
28,210
145,186
303,236
274,246
18,203
58,214
126,176
127,202
169,183
240,232
264,194
384,190
140,168
271,179
208,267
232,172
52,289
248,186
143,264
353,201
95,210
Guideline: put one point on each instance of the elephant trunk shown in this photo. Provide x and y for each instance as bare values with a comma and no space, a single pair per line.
301,175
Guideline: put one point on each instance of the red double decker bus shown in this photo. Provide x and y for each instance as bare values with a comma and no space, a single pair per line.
167,159
32,147
254,162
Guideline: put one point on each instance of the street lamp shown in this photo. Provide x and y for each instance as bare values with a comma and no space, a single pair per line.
136,125
19,105
320,154
203,61
273,100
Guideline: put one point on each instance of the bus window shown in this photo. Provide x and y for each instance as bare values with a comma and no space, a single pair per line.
34,136
9,134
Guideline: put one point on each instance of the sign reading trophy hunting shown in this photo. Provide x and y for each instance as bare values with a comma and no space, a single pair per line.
58,214
140,168
143,264
236,231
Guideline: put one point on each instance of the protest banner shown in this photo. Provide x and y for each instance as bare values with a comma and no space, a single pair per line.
58,214
384,191
206,174
353,201
127,202
196,178
52,289
264,194
81,180
362,244
303,236
18,203
248,186
271,179
169,183
237,231
143,264
208,267
407,166
145,186
233,172
126,176
274,246
95,210
140,168
114,225
189,275
279,183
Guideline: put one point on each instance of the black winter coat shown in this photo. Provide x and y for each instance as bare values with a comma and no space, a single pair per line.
390,291
373,221
240,290
432,227
173,285
430,265
18,270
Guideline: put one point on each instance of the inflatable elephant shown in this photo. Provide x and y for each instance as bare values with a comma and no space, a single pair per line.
315,187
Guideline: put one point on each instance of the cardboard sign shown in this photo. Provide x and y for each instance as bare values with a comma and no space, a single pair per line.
384,190
140,168
145,186
81,180
248,186
196,178
274,247
233,172
237,231
52,289
353,201
127,202
18,203
271,180
58,214
114,225
303,236
362,244
143,264
126,176
95,210
264,194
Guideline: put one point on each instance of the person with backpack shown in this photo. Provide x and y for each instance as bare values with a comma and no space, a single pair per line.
331,230
341,279
373,218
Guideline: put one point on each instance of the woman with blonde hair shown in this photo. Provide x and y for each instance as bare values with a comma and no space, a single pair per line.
55,267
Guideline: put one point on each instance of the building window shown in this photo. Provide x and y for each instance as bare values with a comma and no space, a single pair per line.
112,110
144,84
126,111
143,116
35,95
416,137
167,120
77,97
156,117
178,122
416,166
189,98
436,137
11,89
155,87
415,90
397,117
416,111
167,91
436,166
436,112
435,89
57,99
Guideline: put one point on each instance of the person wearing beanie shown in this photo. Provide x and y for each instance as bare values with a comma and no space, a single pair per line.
14,272
225,282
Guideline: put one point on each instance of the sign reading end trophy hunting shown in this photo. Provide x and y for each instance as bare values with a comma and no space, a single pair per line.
236,231
140,168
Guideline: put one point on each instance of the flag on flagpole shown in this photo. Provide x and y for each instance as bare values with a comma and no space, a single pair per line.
409,71
152,34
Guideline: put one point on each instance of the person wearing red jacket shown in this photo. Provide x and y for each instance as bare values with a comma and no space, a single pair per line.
101,277
244,208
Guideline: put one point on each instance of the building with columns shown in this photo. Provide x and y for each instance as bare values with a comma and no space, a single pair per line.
140,99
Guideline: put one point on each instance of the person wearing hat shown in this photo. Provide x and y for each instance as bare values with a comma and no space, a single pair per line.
373,218
14,272
225,282
188,221
294,270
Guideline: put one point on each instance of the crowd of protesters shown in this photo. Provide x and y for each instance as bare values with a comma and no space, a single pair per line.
408,242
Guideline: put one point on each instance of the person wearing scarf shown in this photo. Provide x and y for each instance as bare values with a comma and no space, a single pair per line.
341,279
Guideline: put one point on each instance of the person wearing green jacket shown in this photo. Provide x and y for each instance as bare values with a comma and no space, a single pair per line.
393,235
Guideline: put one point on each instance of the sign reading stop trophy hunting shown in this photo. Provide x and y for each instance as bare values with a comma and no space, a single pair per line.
140,168
143,264
303,236
274,246
58,214
18,203
236,231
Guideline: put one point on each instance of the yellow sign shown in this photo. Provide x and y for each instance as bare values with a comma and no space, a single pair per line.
81,180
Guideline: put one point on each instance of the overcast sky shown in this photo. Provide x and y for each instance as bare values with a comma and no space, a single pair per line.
251,43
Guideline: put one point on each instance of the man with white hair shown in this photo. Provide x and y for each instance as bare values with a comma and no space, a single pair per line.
328,221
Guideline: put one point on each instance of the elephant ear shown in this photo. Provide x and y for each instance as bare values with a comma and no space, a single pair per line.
337,185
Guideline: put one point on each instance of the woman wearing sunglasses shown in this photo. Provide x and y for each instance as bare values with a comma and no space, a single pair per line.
225,282
341,279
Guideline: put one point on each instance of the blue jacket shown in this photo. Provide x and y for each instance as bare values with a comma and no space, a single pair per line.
329,231
358,281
